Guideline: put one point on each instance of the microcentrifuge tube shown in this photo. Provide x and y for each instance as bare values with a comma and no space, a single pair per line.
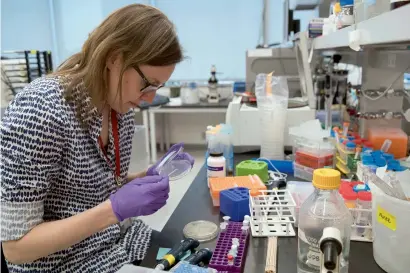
230,259
247,218
234,249
245,229
223,227
245,223
226,219
235,241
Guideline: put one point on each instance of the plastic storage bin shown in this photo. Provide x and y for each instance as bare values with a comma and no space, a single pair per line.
218,184
303,172
391,230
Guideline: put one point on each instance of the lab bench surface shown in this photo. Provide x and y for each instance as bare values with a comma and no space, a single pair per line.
202,104
197,205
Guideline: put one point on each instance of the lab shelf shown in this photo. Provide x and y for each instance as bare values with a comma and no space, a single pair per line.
19,68
387,28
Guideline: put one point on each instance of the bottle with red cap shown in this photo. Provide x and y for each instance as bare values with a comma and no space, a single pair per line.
364,218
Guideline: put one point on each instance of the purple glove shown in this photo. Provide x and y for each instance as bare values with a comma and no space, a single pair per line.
139,197
183,156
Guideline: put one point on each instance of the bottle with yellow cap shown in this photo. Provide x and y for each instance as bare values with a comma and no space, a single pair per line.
323,208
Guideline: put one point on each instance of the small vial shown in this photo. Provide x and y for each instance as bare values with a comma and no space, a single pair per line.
235,241
223,227
245,223
234,249
245,229
230,259
247,218
226,219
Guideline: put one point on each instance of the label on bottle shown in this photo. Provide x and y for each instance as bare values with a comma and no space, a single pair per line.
313,255
215,169
386,219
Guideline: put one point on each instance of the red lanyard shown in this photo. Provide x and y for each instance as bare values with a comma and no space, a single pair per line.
114,123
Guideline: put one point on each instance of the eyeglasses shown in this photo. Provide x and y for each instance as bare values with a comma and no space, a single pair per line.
149,87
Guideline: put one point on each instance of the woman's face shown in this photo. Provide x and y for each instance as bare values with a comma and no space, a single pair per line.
133,82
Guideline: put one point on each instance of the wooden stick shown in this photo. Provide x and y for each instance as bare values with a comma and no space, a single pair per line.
271,256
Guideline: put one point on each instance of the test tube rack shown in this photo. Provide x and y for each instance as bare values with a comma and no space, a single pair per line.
219,259
361,233
272,213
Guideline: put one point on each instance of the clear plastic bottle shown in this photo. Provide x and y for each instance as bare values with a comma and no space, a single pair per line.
323,208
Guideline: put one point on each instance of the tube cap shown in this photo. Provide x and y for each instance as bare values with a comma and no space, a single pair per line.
349,194
326,179
364,195
350,145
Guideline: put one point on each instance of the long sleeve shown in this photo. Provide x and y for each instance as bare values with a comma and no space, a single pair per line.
32,144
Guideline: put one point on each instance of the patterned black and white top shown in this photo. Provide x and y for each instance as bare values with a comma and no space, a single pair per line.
52,168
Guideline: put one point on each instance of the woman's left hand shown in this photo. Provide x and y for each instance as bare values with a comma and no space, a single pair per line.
183,156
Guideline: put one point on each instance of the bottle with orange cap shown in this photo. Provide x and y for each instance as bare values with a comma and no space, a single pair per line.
323,208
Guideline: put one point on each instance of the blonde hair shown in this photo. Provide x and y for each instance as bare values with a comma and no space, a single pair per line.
140,34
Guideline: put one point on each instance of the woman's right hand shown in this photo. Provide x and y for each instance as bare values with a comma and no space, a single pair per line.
139,197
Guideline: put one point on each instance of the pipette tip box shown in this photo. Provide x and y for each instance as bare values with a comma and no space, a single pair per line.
219,260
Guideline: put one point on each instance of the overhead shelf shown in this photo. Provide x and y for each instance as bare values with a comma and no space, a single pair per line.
388,28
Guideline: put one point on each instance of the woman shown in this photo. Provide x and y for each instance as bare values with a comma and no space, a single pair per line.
67,197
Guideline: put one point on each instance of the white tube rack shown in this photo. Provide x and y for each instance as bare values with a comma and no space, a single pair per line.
272,214
361,233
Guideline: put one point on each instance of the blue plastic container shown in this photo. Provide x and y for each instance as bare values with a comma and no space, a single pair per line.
235,203
284,166
346,2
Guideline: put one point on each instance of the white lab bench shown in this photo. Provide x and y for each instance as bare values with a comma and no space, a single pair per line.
174,106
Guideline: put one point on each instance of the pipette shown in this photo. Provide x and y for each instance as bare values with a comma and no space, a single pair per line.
176,253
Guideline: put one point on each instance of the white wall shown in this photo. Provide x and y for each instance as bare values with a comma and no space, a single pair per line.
25,24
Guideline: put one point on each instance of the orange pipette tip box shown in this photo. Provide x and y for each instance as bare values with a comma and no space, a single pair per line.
399,139
218,184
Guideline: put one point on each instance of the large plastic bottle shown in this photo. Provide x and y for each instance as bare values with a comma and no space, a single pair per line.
323,208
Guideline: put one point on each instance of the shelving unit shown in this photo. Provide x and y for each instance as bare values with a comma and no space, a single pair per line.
385,29
19,68
384,57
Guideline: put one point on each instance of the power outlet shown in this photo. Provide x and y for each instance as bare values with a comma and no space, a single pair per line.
391,60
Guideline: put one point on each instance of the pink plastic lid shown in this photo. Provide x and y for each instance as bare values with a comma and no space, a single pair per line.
364,196
349,194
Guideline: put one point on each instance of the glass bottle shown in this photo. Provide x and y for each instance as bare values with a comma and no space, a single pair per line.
323,208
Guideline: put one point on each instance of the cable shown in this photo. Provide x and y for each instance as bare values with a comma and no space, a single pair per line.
387,89
275,173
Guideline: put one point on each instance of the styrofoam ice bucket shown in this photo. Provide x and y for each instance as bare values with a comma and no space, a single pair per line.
391,230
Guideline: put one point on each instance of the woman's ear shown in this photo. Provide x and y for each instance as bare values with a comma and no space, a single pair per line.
113,61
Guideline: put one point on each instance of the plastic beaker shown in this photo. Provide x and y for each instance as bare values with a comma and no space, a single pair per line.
174,167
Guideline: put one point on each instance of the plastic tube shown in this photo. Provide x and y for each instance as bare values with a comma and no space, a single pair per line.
345,128
386,145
